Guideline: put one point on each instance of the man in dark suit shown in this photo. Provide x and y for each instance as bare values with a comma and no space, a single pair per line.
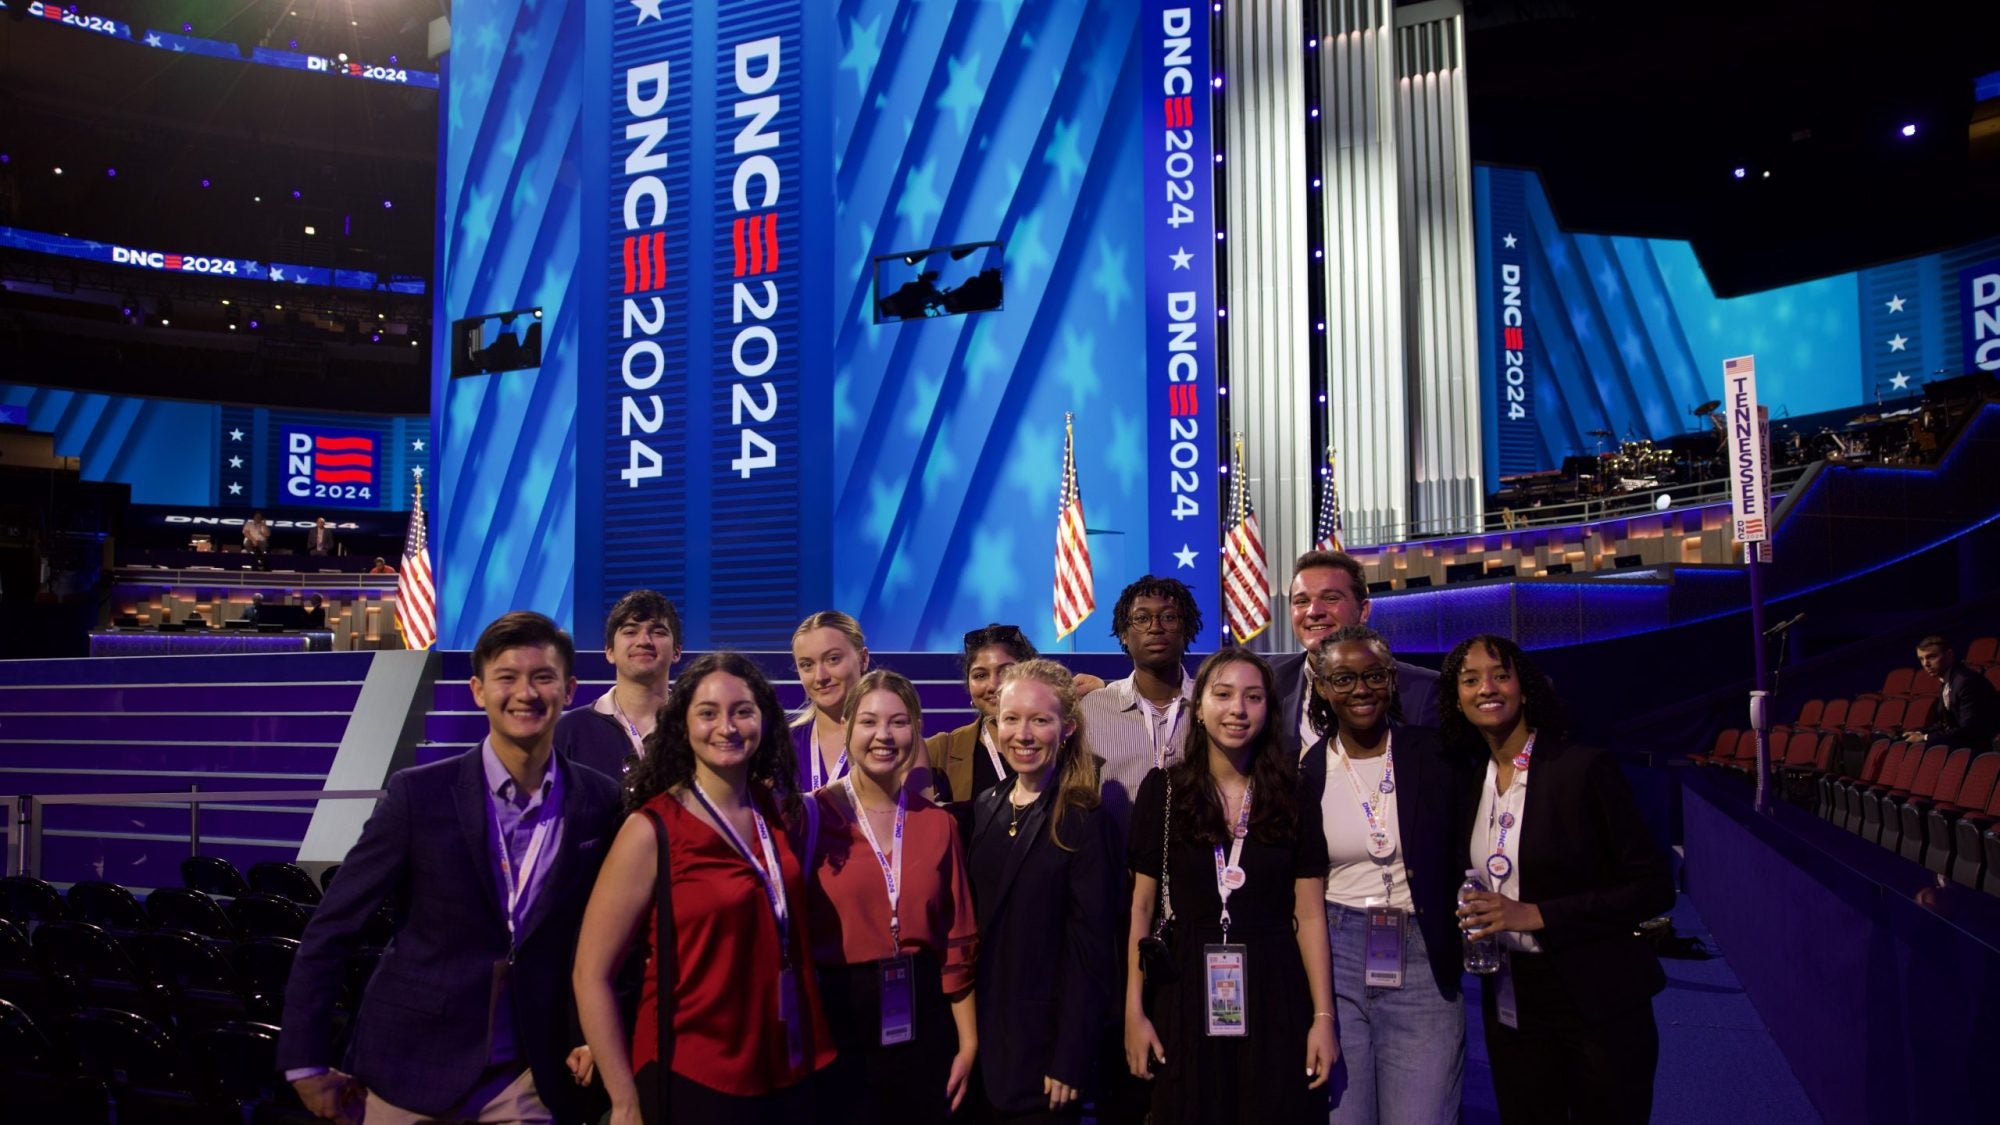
1968,708
319,541
489,857
1329,591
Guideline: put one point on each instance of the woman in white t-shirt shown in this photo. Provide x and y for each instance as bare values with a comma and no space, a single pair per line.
1394,811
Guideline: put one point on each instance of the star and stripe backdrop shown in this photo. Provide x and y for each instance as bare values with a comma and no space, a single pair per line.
718,416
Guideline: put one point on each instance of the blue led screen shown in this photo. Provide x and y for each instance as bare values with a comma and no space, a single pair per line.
1624,334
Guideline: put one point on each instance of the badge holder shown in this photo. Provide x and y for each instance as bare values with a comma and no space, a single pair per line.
1226,993
1383,952
898,996
1508,1011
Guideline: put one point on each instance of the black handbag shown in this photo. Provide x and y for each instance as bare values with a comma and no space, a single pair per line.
1156,950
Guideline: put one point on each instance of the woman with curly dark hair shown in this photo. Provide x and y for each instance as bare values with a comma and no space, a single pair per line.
1570,869
708,872
1233,1017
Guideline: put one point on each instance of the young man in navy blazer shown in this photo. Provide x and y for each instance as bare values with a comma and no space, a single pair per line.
489,858
1329,592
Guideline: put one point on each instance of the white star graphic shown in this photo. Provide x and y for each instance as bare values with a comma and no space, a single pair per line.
1897,341
648,9
417,445
277,274
236,490
1184,558
236,435
1901,382
236,462
1181,259
1895,303
419,471
152,39
1509,241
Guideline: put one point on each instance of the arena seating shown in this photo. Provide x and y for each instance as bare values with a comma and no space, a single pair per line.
108,1012
1846,760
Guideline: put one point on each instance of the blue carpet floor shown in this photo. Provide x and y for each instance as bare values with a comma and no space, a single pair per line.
1718,1064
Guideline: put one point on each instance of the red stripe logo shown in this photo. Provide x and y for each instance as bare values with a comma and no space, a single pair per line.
755,241
645,261
173,261
1182,400
1180,113
343,476
344,444
1514,339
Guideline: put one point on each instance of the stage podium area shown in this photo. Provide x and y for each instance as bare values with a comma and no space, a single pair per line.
155,610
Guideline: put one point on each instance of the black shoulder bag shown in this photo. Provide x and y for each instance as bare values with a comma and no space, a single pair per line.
1156,951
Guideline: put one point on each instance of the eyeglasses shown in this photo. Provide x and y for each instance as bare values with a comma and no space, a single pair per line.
1340,683
1144,620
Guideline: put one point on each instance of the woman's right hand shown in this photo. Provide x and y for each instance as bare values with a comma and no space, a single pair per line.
1142,1047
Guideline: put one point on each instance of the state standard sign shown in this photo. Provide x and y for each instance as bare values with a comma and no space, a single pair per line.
1749,495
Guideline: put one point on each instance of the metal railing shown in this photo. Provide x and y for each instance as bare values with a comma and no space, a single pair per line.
23,829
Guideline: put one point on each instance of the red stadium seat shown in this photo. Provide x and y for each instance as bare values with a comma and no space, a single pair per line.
1889,716
1860,716
1983,650
1917,713
1898,773
1809,714
1925,685
1921,768
1898,682
1845,798
1724,748
1948,848
1834,716
1913,812
1969,866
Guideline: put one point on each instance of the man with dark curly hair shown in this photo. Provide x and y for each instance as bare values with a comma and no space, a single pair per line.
1140,722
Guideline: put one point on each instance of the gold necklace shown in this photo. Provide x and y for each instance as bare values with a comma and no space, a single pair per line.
1014,814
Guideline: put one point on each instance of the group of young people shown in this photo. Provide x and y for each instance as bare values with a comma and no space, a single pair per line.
1231,896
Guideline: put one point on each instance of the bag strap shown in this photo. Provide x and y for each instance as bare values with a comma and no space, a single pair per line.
666,967
1166,841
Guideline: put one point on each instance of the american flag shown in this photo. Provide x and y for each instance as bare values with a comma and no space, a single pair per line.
1075,594
1326,534
1246,584
416,599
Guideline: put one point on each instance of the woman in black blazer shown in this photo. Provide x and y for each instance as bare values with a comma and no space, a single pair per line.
1402,1047
1047,888
1571,870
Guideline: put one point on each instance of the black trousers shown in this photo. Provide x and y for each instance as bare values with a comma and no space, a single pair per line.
1559,1067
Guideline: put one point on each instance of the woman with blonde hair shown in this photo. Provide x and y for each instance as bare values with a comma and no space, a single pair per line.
830,654
1045,881
892,924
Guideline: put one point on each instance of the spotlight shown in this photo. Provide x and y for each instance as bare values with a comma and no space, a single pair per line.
1740,173
278,308
127,310
225,300
6,158
256,199
232,328
188,28
1767,173
342,56
294,44
204,183
392,60
111,172
253,324
310,231
58,171
165,323
387,205
375,337
538,314
1910,130
295,193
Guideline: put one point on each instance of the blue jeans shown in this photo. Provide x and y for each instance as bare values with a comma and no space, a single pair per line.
1402,1050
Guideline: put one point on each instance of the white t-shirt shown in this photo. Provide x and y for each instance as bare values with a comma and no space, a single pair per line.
1353,876
1486,831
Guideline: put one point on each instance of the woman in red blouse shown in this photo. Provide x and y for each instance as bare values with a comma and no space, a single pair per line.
730,1025
892,924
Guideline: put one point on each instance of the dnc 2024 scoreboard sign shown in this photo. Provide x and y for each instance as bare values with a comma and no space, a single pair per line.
330,467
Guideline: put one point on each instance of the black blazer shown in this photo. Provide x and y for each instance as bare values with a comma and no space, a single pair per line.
1047,930
1436,795
590,737
1974,714
420,1036
1416,690
1589,861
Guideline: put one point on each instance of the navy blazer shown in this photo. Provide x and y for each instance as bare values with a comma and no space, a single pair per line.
1436,796
421,1035
1047,933
1416,690
1592,866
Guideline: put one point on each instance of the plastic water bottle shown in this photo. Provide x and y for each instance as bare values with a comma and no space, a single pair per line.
1482,955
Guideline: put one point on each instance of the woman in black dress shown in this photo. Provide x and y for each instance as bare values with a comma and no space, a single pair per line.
1234,1021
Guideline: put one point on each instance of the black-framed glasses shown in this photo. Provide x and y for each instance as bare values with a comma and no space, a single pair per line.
1343,682
1144,619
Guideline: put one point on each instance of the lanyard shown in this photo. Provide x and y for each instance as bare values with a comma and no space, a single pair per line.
1160,748
515,881
1230,876
1503,813
892,863
819,776
1381,843
769,874
992,751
